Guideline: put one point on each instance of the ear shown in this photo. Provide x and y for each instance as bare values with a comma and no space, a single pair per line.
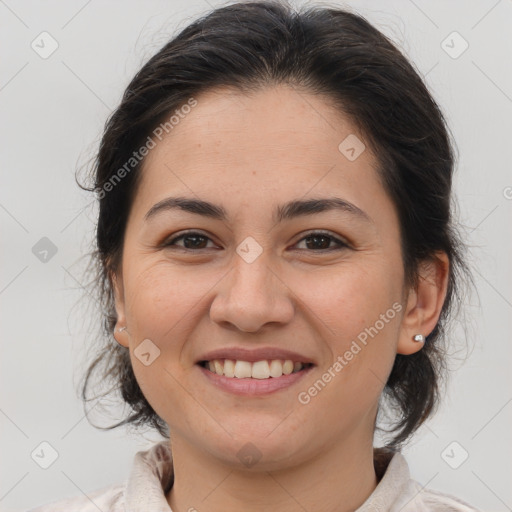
424,303
121,337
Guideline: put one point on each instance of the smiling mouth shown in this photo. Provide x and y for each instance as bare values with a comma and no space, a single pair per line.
265,369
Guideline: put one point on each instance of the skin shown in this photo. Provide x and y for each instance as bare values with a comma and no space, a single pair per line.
249,153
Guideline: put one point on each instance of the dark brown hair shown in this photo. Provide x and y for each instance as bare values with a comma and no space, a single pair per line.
322,50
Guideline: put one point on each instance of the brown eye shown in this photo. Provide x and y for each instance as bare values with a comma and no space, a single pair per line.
319,241
191,240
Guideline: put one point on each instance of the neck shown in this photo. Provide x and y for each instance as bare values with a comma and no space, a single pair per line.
339,478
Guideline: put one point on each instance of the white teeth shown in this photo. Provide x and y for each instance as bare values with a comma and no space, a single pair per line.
243,369
288,367
229,368
258,370
218,367
276,368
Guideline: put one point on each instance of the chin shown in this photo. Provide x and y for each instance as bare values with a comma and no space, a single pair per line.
258,446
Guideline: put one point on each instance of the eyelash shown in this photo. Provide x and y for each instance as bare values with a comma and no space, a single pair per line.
340,243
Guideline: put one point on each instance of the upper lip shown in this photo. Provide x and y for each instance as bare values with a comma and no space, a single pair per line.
253,355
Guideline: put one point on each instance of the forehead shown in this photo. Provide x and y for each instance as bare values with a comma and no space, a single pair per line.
261,121
268,136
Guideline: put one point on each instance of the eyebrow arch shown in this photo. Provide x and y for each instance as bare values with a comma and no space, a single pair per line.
290,210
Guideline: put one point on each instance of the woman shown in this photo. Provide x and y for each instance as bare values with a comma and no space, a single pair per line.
278,262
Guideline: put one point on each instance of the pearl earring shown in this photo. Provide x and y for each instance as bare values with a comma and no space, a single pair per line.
419,338
121,329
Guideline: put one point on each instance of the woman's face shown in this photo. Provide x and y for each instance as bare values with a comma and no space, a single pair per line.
262,279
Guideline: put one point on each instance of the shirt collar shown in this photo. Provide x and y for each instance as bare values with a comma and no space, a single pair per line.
151,478
395,476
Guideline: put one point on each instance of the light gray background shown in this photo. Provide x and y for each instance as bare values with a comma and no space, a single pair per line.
52,112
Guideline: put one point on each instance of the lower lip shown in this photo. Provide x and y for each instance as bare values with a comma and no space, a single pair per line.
251,387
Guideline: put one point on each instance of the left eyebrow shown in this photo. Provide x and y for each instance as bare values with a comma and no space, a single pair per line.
287,211
311,206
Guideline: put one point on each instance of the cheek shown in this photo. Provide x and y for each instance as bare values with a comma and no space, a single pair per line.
350,298
161,305
161,299
359,305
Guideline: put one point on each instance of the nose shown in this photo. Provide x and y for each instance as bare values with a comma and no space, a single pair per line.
252,295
